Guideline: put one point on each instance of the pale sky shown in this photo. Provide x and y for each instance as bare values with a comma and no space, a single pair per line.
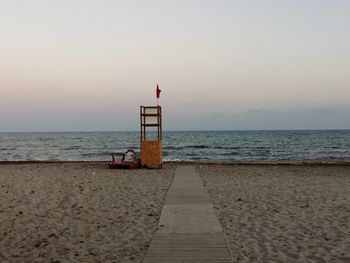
88,65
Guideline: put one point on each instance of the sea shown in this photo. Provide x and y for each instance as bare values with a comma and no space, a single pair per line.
179,145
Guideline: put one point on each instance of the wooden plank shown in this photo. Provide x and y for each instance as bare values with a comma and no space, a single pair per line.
188,228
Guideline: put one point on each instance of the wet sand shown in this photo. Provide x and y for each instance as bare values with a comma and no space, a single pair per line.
282,213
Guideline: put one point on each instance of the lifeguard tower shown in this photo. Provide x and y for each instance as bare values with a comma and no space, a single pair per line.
151,136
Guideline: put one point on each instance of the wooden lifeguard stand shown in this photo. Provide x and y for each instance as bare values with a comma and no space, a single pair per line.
151,136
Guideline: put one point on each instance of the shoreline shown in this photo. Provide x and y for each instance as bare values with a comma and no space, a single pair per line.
213,162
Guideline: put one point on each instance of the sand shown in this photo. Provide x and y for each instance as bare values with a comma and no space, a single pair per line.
274,213
83,212
78,212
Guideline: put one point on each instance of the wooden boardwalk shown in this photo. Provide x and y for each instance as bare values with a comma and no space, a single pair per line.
189,231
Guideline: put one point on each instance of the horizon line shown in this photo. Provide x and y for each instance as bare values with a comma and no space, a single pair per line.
195,130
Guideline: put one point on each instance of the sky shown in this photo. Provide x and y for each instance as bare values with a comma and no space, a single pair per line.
88,65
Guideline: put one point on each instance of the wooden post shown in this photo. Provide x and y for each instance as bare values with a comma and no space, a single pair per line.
151,150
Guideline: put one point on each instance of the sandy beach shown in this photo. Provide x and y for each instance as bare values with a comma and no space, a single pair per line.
76,212
274,213
83,212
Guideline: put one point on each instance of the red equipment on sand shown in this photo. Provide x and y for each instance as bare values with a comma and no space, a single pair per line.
128,161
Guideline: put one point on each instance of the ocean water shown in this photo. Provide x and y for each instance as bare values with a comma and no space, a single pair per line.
179,145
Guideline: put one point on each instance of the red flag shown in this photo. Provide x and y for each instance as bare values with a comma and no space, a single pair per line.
158,92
